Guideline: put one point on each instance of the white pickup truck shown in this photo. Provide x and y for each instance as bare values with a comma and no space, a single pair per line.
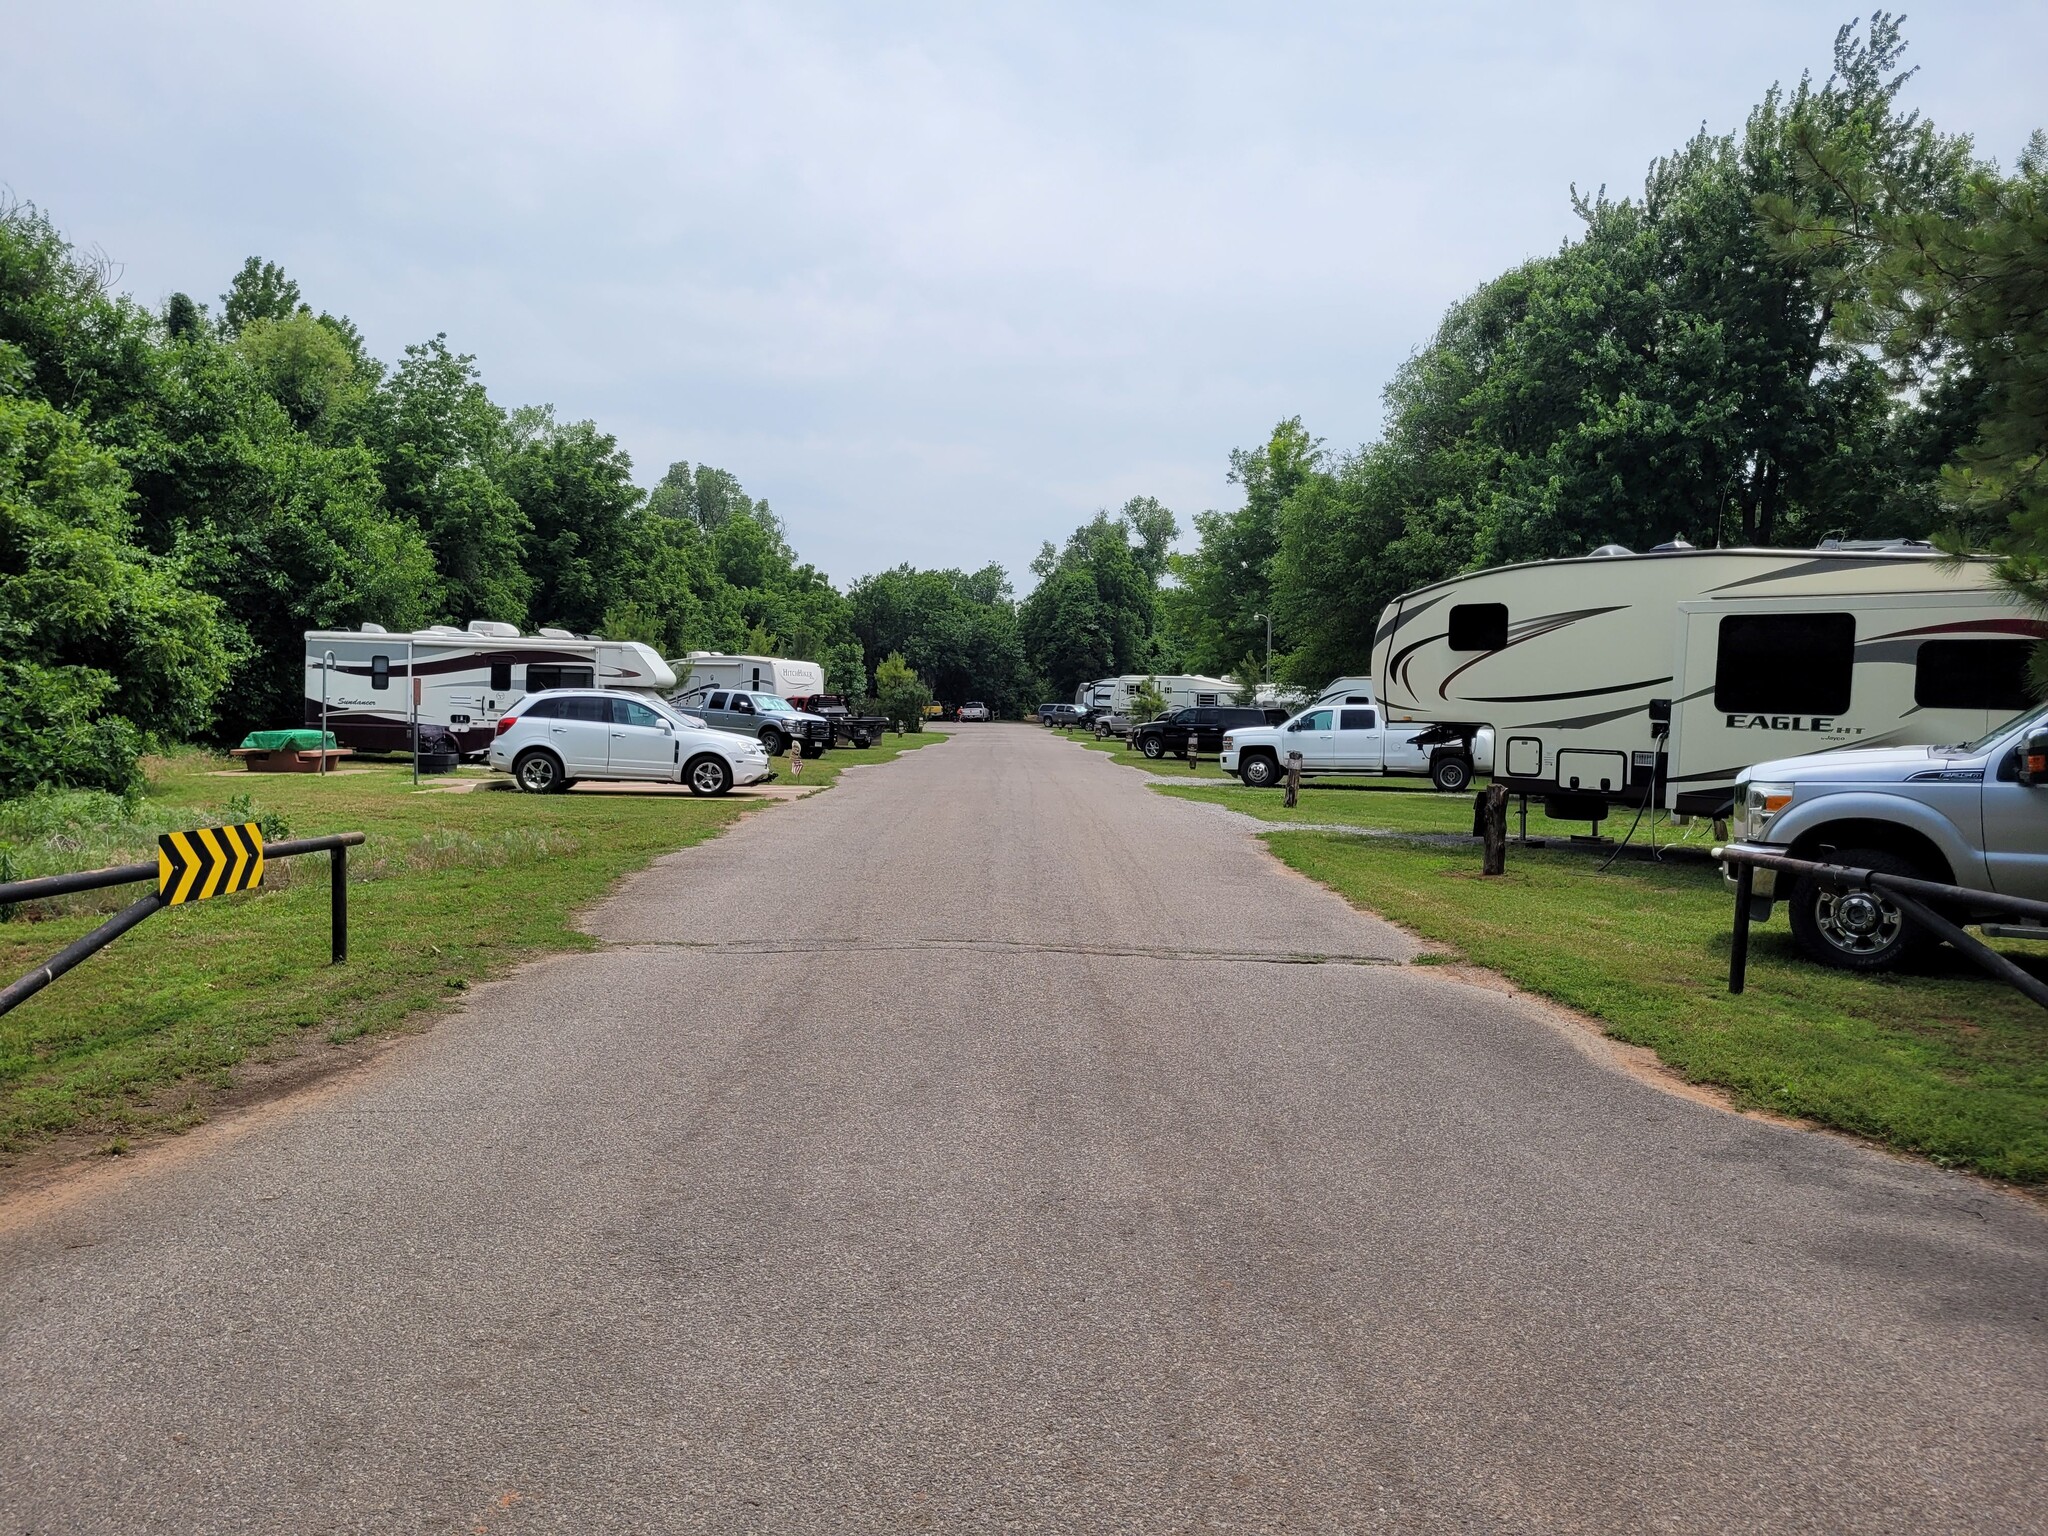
1973,816
1343,732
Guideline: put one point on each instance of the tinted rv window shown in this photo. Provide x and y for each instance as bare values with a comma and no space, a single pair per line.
501,677
1972,674
1785,663
1479,626
542,676
380,672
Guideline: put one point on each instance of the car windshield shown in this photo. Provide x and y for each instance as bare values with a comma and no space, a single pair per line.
2026,722
769,704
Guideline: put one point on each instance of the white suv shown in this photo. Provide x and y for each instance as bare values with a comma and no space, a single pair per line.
548,741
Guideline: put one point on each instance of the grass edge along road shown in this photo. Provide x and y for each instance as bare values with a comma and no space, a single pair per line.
1941,1061
452,889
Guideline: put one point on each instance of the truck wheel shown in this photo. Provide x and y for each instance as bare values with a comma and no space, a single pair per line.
1856,930
1259,772
1450,772
708,775
539,772
773,742
1153,747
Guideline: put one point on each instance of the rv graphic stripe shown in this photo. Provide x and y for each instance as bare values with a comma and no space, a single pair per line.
209,861
1548,698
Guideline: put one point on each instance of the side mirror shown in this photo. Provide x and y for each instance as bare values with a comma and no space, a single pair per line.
2033,764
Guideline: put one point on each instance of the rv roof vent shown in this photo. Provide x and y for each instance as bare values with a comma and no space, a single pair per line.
1670,549
441,629
699,655
375,629
555,634
491,629
1605,551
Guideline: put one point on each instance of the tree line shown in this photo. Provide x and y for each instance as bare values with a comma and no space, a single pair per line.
1828,324
185,491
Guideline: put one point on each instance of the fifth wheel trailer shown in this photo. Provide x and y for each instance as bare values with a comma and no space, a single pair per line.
1654,679
467,678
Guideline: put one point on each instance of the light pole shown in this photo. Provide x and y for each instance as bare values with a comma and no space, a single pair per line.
1269,646
326,671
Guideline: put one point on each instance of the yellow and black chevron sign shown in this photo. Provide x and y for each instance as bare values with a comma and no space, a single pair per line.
213,861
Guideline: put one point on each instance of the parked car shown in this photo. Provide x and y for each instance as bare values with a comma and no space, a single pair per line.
1169,735
974,709
1973,816
1060,716
552,739
771,720
1347,735
1107,723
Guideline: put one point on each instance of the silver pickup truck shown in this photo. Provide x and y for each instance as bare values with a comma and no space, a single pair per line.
1973,816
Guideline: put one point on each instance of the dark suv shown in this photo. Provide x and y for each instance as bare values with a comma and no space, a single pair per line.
1205,725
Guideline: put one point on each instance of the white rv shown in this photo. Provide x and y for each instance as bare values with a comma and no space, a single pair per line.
756,674
1180,690
465,679
1654,679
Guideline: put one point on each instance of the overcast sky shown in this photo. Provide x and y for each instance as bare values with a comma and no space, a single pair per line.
938,281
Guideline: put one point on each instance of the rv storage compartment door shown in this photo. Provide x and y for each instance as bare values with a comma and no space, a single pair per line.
1594,772
1525,757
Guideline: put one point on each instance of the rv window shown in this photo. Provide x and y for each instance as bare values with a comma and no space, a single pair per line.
1785,663
501,677
542,676
1479,626
1208,699
1357,720
1972,674
380,672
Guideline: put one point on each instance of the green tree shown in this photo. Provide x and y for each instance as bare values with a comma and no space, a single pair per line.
260,291
900,694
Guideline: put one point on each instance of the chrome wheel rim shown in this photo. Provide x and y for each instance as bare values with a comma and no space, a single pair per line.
1857,922
709,777
536,773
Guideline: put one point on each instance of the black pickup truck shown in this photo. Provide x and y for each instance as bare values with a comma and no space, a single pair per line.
848,729
1204,725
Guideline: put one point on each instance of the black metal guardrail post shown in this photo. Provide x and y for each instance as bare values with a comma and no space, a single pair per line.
335,846
1909,895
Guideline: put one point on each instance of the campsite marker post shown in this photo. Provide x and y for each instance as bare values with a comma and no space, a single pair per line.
326,671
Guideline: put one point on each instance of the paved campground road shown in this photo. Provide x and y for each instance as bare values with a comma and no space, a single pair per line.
957,1150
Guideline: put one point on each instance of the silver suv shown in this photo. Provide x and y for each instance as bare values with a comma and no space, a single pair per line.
772,721
1973,816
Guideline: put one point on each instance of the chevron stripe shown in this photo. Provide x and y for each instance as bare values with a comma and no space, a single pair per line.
209,861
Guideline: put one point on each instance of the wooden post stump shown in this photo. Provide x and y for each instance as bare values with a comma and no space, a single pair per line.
1293,777
1495,859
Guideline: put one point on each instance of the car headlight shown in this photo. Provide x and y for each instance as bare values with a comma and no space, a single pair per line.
1761,804
1229,741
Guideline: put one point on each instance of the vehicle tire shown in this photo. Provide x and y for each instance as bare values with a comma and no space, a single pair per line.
773,742
539,772
1153,747
813,749
1259,772
1451,772
1856,930
708,775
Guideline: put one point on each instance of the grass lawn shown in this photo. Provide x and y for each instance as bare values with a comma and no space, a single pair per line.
450,889
1944,1062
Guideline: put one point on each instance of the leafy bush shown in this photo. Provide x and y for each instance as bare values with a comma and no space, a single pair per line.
900,694
56,730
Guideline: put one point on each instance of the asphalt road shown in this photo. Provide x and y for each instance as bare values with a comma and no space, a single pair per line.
992,1144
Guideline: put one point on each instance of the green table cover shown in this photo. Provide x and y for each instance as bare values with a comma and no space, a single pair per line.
287,741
